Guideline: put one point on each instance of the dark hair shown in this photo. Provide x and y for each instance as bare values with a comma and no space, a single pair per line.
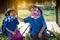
8,12
36,7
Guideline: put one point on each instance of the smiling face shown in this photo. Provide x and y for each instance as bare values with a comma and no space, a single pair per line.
37,12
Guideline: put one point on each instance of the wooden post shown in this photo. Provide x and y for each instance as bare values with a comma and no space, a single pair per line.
57,11
9,4
15,6
3,6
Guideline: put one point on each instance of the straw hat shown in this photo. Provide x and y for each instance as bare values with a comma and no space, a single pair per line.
8,10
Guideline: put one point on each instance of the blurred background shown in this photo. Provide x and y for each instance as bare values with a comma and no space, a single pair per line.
21,6
50,8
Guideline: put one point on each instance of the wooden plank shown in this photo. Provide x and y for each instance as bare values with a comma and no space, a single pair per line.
26,32
52,26
23,28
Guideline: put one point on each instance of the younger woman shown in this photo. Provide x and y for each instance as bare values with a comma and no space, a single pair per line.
37,23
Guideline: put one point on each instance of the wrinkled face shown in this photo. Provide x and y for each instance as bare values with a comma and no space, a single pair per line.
36,11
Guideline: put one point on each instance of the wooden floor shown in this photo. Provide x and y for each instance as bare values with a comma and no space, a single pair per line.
52,26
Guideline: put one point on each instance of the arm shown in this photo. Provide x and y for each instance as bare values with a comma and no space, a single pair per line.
40,33
43,28
19,18
5,26
5,23
44,24
8,30
22,20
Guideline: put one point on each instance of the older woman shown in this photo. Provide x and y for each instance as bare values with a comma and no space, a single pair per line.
37,24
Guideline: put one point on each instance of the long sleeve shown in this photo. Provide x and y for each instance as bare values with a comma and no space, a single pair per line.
4,25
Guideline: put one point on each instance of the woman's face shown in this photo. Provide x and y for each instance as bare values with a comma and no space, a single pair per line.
12,13
35,11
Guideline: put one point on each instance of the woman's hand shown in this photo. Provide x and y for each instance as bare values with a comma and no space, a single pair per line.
10,31
14,33
40,35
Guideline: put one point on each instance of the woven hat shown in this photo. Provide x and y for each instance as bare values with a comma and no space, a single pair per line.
8,10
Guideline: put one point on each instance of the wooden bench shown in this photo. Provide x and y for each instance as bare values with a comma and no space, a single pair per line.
51,27
23,28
